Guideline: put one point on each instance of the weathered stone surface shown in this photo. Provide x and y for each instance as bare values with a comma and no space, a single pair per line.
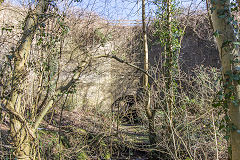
195,51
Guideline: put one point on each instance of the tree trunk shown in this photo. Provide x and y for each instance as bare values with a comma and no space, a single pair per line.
21,139
21,132
229,55
149,111
145,44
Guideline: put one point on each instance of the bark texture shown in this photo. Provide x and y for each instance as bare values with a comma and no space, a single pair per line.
21,132
229,55
149,111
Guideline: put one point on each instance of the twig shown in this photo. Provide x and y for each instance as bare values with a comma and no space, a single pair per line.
215,135
129,64
209,16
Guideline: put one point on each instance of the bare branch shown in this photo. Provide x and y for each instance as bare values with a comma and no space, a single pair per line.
42,114
129,64
61,89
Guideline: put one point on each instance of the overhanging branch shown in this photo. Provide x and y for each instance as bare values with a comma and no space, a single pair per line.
129,64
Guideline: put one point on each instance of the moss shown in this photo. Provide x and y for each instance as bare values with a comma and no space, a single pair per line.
107,155
82,156
81,131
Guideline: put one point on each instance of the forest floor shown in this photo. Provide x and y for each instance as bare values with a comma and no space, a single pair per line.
131,140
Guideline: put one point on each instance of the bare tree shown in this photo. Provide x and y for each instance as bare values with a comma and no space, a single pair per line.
150,112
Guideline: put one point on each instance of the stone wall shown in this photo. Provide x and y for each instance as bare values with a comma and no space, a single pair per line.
195,51
94,87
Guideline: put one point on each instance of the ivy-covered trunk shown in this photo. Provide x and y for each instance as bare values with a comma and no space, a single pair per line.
21,139
22,133
227,42
169,36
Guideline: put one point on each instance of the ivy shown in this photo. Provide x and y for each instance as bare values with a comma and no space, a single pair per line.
168,33
227,95
168,39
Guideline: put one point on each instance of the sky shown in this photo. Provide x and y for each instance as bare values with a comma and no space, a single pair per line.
118,9
114,9
128,9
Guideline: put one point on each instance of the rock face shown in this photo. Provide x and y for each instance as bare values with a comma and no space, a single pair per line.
195,51
95,87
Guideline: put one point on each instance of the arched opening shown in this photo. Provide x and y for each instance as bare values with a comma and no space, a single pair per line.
124,109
